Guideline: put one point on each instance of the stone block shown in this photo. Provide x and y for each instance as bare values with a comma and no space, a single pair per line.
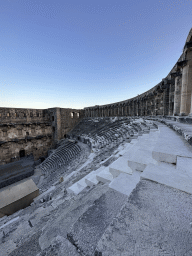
104,176
75,189
184,164
91,179
140,159
164,157
119,166
17,196
125,183
168,175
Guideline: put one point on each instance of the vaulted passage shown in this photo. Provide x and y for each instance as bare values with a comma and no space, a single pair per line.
22,153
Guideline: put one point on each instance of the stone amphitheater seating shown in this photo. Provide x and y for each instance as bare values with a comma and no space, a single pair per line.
102,132
134,157
95,200
66,151
141,158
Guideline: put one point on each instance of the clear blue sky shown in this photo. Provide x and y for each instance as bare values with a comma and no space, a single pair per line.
80,53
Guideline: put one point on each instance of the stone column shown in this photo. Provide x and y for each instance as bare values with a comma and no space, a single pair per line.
141,107
186,88
156,105
125,110
166,102
133,108
177,95
146,107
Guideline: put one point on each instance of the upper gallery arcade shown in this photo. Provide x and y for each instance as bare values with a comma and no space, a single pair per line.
172,96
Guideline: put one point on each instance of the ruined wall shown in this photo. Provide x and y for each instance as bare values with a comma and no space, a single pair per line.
171,97
33,131
64,120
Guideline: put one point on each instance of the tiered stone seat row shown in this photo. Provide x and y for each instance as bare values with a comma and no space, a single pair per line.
147,158
62,155
100,132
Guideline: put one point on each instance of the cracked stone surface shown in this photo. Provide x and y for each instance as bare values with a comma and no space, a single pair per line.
155,221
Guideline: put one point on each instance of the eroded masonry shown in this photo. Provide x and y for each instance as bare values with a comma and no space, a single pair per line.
33,131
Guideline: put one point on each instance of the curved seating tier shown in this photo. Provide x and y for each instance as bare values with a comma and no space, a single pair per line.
99,132
66,151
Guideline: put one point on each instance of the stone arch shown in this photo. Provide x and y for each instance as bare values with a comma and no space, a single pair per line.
22,153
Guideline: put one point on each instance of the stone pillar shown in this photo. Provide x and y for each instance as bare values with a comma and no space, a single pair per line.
146,107
186,88
156,105
133,108
125,110
141,107
170,101
166,102
177,96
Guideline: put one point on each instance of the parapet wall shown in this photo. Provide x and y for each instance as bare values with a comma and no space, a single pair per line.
172,96
33,131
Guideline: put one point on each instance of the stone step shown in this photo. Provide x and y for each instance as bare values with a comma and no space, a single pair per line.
175,146
91,180
67,215
82,181
139,159
119,166
76,189
184,164
104,175
90,226
125,183
168,175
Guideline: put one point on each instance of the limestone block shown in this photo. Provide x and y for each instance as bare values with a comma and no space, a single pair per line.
184,164
164,157
91,179
140,159
17,196
104,176
168,175
124,183
119,166
75,189
82,181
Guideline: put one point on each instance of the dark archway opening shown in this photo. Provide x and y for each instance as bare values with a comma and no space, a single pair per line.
42,159
22,153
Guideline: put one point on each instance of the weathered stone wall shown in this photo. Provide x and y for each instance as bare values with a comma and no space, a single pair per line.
33,131
172,96
64,120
